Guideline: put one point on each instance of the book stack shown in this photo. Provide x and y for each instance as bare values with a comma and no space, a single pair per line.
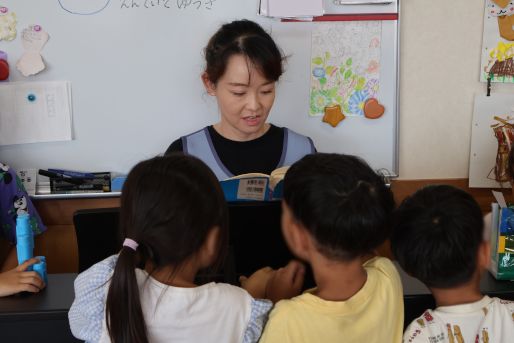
76,182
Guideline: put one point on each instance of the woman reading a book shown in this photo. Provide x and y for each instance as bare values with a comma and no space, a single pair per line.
243,63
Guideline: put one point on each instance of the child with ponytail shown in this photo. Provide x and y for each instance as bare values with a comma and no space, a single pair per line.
174,220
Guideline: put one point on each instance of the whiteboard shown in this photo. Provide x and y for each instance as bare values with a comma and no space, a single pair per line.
135,79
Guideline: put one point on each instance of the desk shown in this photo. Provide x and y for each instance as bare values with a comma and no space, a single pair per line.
41,317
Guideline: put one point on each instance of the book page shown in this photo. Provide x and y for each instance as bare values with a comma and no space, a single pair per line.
276,176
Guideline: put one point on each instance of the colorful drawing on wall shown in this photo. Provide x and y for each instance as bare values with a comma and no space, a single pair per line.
345,66
492,135
503,131
7,24
498,42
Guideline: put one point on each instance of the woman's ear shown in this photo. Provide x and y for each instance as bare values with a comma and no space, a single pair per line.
209,86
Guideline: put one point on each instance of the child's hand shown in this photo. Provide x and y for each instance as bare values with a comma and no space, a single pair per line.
286,282
18,279
256,283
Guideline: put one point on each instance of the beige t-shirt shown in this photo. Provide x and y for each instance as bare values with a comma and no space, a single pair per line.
489,320
373,314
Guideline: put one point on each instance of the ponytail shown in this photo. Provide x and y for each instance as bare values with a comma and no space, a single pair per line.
123,313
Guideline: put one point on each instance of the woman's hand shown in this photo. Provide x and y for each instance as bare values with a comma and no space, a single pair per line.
18,280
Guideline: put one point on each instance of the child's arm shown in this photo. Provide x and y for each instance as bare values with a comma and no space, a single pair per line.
18,280
286,282
256,283
87,313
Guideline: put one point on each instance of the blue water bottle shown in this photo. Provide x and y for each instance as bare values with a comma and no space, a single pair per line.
24,239
40,268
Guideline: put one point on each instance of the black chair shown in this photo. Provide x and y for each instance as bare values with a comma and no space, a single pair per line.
255,240
97,235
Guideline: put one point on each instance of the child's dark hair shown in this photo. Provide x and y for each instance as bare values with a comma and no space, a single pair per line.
247,38
341,202
168,206
436,235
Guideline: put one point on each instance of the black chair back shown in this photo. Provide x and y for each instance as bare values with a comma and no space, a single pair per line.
97,235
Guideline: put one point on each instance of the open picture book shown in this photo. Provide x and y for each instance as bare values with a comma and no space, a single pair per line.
255,186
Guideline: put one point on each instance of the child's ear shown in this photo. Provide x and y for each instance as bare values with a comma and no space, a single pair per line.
484,254
210,247
295,235
209,86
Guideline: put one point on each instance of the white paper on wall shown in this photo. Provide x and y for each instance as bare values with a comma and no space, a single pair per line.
33,112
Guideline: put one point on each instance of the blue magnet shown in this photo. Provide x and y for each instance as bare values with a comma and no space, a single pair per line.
31,97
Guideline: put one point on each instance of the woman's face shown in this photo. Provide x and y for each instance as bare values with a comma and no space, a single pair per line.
244,98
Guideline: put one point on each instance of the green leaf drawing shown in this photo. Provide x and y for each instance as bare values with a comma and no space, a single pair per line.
322,81
329,70
360,83
332,92
317,60
339,99
349,62
347,74
327,56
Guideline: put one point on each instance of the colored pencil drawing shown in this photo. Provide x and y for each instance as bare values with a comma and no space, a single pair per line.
345,66
498,42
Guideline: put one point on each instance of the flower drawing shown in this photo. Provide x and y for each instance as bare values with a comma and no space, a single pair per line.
356,102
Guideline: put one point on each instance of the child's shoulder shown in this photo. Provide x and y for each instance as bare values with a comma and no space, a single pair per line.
502,303
384,266
422,328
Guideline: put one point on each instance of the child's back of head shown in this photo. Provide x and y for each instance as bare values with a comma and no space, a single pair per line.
341,202
436,236
336,211
169,206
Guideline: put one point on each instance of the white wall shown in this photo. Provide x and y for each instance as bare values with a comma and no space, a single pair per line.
440,60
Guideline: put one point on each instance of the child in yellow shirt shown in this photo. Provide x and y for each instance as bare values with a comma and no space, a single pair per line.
336,211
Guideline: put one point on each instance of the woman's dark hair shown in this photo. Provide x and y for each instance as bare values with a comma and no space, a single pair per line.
243,37
168,206
341,202
436,235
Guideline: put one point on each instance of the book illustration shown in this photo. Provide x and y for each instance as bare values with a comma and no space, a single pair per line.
345,66
254,186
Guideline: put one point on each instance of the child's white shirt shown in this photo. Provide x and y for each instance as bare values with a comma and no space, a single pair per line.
214,312
489,320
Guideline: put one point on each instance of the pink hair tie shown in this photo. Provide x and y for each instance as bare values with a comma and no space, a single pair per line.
130,243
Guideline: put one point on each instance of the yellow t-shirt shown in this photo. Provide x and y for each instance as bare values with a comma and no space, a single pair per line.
373,314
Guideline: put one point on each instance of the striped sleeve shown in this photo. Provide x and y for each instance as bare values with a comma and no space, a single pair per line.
258,318
87,311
